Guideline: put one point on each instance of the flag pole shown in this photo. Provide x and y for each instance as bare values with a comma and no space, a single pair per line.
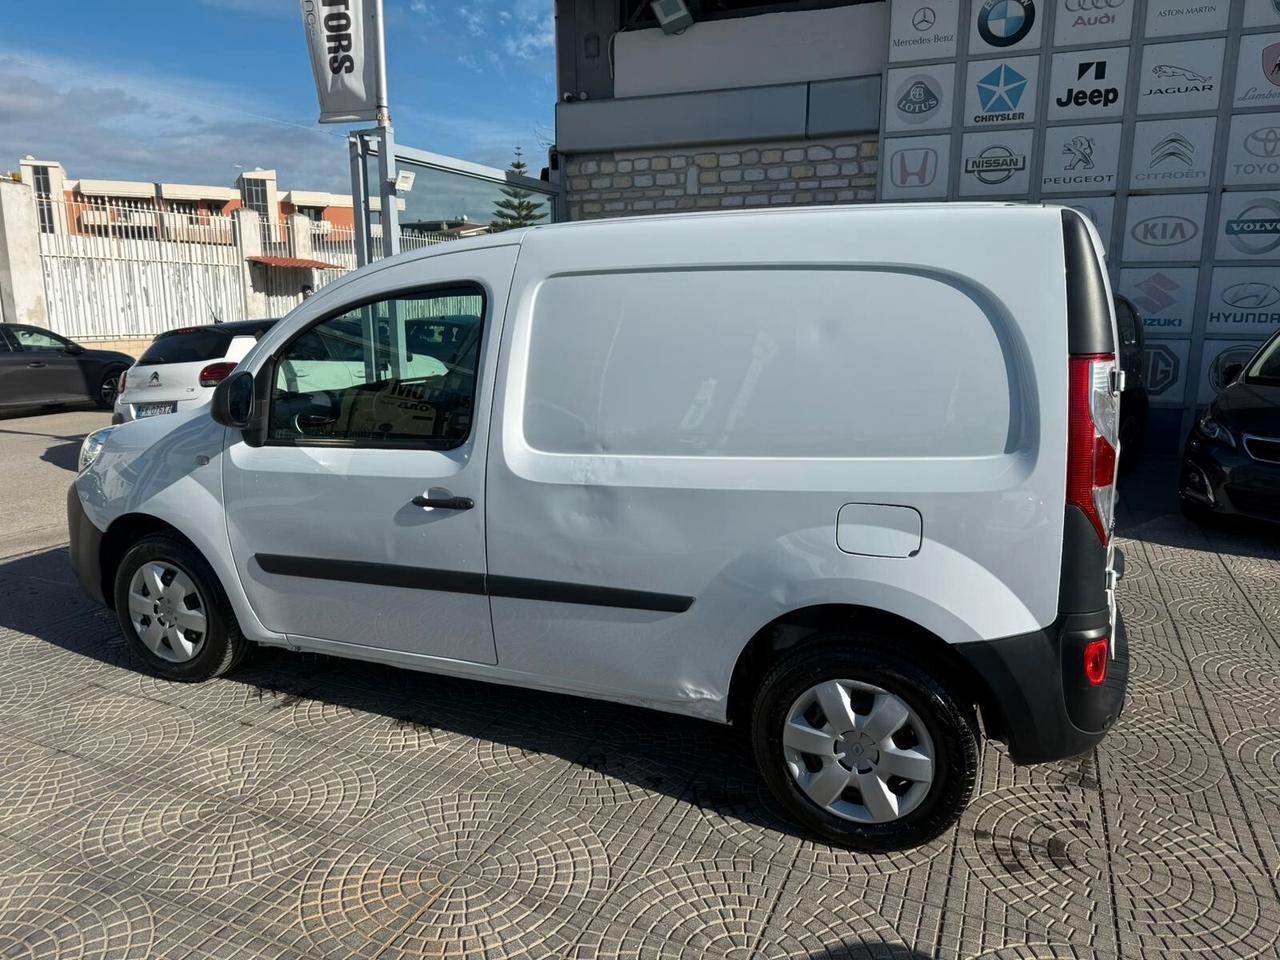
390,214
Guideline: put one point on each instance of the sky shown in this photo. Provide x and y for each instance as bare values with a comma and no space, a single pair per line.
193,91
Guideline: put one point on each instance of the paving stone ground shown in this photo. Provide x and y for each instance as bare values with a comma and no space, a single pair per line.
313,808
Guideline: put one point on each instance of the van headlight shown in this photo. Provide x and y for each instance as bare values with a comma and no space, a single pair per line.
92,446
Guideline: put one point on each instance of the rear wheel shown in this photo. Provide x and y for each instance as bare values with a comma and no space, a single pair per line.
173,611
864,747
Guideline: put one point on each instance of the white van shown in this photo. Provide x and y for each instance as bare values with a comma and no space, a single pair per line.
844,476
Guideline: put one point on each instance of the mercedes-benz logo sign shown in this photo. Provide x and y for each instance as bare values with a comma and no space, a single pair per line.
1002,23
924,19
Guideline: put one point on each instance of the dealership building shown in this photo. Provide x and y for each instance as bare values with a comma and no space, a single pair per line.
1158,119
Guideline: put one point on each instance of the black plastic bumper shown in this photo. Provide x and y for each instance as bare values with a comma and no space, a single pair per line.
1047,708
1228,482
86,546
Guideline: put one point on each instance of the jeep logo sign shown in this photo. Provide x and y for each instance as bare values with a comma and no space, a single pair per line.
340,38
1089,83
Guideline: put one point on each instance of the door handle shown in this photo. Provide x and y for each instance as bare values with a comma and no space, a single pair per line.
36,365
444,503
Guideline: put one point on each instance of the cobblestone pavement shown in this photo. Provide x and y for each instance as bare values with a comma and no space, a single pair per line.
309,807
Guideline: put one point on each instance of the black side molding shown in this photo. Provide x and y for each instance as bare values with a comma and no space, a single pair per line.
378,574
1088,309
455,581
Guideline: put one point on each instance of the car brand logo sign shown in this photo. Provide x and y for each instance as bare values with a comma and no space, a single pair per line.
1171,80
1256,231
995,165
1078,96
1228,357
1080,150
999,93
1162,368
917,99
1164,231
1002,23
1251,295
1265,142
1158,293
1175,148
924,19
913,167
154,381
1271,63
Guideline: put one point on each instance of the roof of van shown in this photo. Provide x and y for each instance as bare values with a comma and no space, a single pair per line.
515,237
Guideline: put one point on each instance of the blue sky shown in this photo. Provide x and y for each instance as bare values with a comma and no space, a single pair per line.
193,90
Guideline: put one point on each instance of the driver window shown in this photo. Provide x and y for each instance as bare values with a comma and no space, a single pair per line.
395,372
34,340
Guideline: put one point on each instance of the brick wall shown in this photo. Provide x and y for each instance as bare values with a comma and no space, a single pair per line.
840,170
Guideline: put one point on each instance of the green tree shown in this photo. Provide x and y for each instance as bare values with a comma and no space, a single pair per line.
517,208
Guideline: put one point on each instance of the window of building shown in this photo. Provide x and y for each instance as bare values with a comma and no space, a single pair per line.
44,202
638,14
312,213
254,194
348,381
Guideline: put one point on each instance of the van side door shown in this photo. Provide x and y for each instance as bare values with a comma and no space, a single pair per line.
357,517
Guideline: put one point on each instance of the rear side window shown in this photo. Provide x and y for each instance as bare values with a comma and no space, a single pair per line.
765,363
187,346
1127,322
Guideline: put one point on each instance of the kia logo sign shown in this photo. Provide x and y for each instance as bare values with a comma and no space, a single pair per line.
1165,231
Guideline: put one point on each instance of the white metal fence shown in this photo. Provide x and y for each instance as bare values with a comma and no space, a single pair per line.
128,270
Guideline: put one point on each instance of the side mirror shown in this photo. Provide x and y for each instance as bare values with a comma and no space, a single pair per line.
232,404
73,350
1231,373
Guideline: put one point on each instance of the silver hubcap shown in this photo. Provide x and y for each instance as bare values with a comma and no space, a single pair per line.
108,390
167,611
858,751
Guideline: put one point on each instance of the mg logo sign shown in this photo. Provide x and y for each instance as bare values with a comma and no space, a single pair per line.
913,167
1162,368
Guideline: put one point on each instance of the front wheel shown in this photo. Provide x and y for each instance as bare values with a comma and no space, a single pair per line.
173,611
108,388
864,747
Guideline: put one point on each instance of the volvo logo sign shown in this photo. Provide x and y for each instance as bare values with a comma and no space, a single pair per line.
1002,23
1256,231
1164,231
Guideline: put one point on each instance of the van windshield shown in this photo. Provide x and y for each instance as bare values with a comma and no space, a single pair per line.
189,345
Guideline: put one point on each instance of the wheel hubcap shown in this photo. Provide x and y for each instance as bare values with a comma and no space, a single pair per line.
167,611
858,751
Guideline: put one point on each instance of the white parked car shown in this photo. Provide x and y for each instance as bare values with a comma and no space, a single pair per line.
181,367
842,475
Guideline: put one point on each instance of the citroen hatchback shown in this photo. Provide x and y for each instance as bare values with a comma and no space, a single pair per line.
838,475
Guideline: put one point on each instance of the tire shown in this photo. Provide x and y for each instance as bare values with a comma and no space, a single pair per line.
220,646
1197,513
108,388
923,810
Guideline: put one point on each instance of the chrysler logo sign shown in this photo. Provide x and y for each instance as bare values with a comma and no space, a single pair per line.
1164,231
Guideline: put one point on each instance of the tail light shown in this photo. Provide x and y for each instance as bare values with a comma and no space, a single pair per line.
1093,428
215,373
1096,655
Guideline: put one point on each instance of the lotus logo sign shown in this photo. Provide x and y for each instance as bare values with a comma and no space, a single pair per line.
917,99
1164,231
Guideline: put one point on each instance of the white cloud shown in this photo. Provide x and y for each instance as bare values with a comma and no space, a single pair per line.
107,124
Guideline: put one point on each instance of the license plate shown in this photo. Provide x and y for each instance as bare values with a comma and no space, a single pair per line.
141,410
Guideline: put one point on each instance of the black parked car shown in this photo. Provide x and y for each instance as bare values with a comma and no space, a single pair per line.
1133,402
1231,466
39,368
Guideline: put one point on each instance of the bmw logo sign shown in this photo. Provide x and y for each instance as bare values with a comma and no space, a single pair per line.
1002,23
